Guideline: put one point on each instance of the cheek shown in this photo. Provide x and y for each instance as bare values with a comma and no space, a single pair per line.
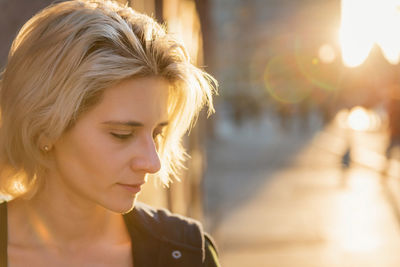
86,158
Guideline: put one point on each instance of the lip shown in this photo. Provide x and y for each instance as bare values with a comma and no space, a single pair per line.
132,188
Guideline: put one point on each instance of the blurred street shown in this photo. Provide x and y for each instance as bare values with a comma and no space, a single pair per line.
285,199
287,182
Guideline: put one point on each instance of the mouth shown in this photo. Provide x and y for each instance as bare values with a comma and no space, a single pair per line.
132,188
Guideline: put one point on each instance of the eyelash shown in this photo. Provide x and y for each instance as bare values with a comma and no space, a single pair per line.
121,136
127,136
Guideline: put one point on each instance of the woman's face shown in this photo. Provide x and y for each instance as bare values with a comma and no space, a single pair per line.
105,157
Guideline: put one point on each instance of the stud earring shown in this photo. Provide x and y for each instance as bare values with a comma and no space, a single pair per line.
46,148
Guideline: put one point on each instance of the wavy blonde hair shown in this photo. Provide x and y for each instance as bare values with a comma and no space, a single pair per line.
58,67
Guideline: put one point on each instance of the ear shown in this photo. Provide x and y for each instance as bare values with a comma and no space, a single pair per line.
45,143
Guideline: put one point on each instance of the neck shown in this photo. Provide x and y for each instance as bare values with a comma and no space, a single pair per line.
61,220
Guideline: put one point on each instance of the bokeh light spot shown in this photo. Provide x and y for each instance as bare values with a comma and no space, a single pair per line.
326,54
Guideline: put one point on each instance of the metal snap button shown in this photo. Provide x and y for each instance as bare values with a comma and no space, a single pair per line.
176,254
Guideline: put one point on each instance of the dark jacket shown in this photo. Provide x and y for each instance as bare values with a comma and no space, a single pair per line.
159,239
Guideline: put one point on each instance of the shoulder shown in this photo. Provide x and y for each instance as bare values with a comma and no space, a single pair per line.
176,231
162,224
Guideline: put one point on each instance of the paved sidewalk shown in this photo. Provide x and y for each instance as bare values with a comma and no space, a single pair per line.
282,200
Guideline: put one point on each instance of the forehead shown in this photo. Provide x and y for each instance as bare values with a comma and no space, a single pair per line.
139,99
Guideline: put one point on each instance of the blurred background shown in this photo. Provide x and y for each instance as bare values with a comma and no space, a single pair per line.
300,164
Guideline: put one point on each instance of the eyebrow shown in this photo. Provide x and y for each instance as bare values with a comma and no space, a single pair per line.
132,123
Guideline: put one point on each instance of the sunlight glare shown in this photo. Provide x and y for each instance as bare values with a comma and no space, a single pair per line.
368,22
355,231
356,223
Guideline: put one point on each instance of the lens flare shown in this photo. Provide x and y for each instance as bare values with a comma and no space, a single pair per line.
314,66
283,80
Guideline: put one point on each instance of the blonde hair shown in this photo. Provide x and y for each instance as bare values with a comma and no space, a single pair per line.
60,63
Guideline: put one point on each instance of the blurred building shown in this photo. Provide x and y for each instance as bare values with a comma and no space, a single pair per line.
184,19
285,58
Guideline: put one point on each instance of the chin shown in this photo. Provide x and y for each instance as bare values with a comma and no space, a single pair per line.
124,207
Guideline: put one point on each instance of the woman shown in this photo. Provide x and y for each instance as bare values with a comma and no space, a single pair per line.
94,98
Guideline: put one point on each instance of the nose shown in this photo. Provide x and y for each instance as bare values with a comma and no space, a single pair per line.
146,159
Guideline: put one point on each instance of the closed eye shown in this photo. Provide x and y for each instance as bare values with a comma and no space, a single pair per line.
122,136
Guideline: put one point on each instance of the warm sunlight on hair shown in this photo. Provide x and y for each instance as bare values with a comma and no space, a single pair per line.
368,22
